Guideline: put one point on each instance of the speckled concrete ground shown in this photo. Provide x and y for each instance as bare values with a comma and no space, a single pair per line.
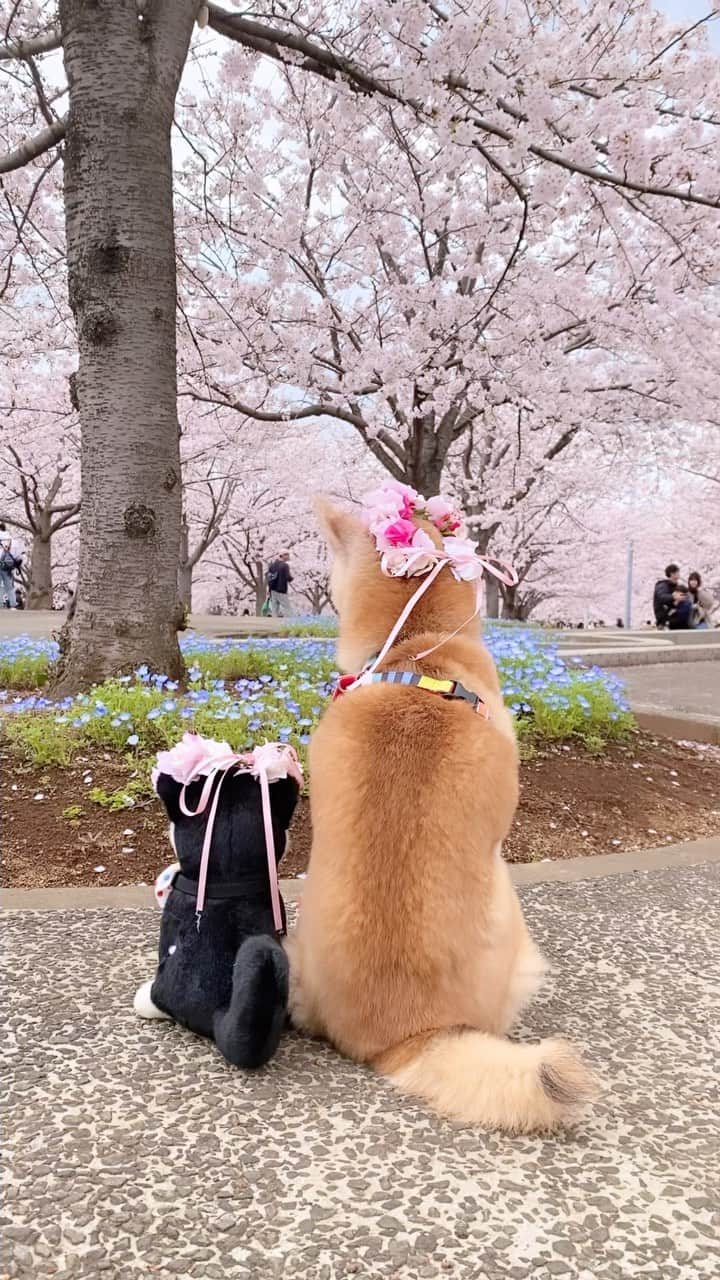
135,1152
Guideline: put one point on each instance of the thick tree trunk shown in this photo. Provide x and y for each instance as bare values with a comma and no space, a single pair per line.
40,589
123,69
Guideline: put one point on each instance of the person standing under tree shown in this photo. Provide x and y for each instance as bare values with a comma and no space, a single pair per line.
279,578
10,561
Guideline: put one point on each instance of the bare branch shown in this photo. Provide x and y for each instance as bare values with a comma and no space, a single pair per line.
33,147
24,49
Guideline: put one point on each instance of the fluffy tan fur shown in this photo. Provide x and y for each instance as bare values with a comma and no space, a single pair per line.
411,952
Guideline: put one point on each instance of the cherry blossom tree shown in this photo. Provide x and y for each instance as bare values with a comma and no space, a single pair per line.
578,123
406,306
38,507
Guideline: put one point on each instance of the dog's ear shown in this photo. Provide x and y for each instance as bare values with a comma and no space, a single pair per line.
341,528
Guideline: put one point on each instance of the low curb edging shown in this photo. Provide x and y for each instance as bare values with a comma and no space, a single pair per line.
596,866
677,724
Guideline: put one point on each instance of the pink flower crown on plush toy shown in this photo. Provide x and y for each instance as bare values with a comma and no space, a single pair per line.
195,758
407,552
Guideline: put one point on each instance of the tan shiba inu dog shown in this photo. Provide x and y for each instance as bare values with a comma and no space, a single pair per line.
411,952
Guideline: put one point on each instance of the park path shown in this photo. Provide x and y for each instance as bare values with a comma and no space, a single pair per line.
134,1151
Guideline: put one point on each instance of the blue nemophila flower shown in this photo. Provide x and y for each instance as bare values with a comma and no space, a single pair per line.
143,672
169,705
153,713
187,713
132,740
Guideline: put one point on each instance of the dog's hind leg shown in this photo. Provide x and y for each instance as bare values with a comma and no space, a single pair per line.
248,1031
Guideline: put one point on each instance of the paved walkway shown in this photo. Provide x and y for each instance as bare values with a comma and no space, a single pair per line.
135,1151
693,688
41,624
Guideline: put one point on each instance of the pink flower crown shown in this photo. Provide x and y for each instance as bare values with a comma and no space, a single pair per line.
407,551
195,757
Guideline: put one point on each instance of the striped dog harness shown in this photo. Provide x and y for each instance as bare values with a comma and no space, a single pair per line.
449,689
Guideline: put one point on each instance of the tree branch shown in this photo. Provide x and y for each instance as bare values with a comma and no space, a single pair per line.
23,49
33,147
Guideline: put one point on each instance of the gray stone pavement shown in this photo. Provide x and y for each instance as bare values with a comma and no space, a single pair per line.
693,689
134,1151
41,624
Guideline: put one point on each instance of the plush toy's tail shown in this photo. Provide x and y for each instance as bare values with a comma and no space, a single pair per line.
248,1031
485,1080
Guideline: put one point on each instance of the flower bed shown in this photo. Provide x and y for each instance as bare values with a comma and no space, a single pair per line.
248,691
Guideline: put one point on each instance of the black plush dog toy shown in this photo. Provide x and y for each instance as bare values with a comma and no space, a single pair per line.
222,971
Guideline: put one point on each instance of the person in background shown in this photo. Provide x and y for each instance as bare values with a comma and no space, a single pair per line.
671,601
702,603
10,562
279,578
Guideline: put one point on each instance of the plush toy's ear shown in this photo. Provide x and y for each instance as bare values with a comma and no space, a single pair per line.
169,792
341,528
283,797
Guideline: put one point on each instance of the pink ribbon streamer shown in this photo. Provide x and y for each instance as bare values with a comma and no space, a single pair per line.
503,572
234,763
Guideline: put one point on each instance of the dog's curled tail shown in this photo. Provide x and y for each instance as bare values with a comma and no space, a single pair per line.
488,1081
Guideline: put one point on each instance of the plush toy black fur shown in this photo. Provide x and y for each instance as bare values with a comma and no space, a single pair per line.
227,979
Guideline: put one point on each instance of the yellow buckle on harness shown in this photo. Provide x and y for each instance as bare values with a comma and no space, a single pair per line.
435,686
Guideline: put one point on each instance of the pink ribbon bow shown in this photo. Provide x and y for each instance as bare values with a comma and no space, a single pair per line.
273,758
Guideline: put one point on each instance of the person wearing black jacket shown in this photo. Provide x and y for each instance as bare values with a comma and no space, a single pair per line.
671,603
278,579
10,562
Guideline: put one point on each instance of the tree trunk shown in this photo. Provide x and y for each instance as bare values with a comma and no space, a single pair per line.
185,586
482,539
123,69
185,570
261,588
40,589
492,596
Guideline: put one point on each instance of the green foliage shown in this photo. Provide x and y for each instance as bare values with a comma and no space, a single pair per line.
73,812
124,798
